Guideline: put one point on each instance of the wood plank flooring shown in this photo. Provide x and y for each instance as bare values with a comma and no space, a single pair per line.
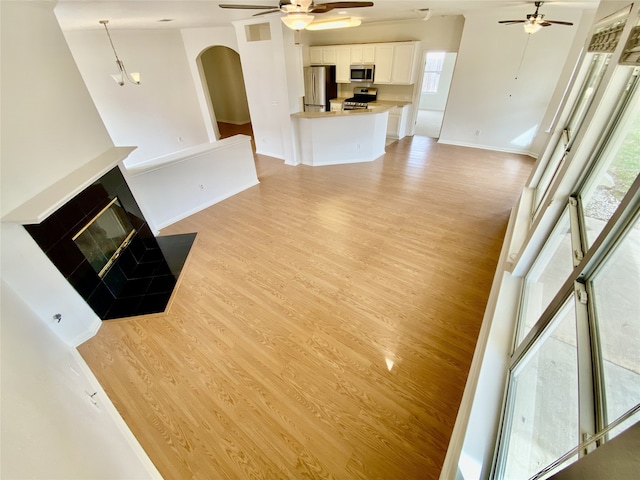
325,323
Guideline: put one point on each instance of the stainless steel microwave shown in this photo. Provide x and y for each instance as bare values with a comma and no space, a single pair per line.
362,73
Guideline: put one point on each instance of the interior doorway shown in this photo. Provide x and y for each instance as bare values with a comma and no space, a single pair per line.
436,81
224,84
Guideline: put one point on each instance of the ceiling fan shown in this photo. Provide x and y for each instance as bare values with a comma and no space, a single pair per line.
535,21
298,12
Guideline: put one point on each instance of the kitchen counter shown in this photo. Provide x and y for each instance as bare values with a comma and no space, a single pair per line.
330,138
379,108
392,103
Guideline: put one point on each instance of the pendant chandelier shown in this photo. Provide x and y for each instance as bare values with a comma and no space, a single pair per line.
120,78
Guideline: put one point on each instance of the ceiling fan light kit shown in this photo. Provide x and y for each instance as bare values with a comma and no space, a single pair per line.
297,20
530,26
535,21
299,13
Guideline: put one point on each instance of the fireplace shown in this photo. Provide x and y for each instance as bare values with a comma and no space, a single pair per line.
101,243
105,236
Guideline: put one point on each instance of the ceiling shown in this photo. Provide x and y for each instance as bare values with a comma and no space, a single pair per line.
150,14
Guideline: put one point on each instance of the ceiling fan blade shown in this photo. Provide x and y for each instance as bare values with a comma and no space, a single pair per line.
266,12
327,7
246,7
558,22
511,22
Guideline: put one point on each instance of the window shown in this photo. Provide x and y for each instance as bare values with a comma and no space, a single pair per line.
432,71
616,311
550,271
617,168
597,66
543,423
575,370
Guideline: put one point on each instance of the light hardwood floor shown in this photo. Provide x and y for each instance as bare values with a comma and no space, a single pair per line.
325,323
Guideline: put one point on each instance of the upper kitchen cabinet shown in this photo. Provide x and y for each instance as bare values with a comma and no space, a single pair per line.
384,63
396,62
363,54
343,64
323,55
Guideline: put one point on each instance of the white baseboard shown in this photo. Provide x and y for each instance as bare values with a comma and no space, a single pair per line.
486,147
102,401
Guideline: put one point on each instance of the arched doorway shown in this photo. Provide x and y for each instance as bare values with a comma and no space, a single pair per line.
224,85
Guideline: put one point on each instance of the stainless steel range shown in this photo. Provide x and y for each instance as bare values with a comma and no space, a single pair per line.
361,98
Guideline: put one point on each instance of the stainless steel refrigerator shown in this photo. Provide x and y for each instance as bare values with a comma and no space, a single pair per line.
319,87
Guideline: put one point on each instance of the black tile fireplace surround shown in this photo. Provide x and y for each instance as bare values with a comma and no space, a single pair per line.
141,280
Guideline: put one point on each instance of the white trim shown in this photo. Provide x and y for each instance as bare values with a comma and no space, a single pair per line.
101,400
488,147
90,332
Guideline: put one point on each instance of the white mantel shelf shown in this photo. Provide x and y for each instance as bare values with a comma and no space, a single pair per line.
38,208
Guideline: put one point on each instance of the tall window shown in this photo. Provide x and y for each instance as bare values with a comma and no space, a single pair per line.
432,72
575,371
597,66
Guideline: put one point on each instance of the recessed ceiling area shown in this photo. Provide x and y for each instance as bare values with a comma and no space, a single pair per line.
149,14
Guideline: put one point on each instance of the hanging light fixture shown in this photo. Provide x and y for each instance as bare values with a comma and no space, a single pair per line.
531,25
133,77
297,20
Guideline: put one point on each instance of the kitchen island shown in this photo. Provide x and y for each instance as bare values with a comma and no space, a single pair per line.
331,138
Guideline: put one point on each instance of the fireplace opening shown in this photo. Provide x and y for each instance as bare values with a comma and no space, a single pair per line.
105,236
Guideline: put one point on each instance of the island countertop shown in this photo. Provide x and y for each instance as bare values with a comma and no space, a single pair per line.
393,103
380,108
330,138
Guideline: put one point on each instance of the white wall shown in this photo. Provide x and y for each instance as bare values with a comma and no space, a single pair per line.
272,71
29,272
51,427
191,180
161,115
39,77
493,103
50,127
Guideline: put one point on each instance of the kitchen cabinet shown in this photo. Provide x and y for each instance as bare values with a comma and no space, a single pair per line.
362,54
322,55
384,63
397,124
396,63
403,68
315,55
343,64
336,105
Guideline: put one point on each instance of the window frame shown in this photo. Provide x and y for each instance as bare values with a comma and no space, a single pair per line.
438,73
588,259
